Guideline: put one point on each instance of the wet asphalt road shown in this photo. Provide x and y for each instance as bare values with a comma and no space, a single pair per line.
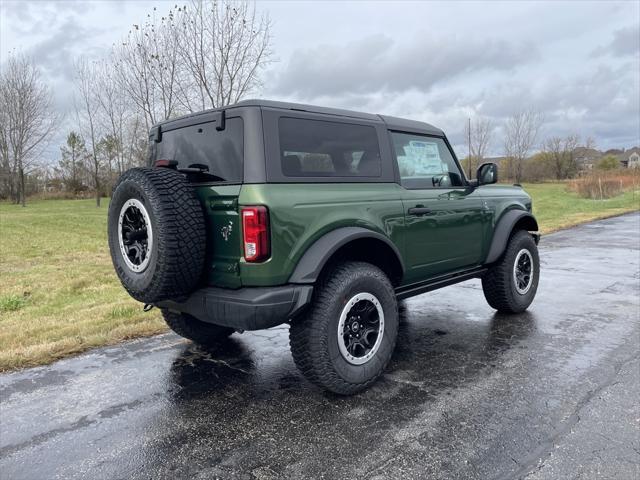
552,393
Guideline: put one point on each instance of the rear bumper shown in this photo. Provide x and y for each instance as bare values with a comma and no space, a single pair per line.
252,308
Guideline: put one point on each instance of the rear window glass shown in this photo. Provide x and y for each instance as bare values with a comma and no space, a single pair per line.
315,148
219,153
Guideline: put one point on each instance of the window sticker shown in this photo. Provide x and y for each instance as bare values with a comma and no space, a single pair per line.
425,157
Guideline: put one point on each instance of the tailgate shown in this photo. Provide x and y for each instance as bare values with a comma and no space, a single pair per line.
224,247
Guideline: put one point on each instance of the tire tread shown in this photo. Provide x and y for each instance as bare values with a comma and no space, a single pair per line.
180,235
307,337
497,282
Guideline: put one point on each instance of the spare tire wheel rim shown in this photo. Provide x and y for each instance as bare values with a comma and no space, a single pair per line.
135,235
361,328
523,271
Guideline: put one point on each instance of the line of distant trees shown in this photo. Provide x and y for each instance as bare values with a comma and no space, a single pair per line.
204,55
556,158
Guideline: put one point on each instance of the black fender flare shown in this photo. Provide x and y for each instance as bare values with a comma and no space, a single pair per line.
503,230
315,258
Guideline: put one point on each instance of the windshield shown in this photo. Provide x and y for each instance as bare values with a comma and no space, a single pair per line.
218,155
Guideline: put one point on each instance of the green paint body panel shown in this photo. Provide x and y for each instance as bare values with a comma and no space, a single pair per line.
300,214
224,242
500,199
456,234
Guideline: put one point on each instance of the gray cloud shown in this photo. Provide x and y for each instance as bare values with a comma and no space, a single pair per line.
602,102
626,41
55,54
29,18
445,81
378,64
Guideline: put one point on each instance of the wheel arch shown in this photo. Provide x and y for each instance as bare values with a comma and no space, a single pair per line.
510,221
349,243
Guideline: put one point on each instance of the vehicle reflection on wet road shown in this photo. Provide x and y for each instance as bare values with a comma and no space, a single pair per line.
550,393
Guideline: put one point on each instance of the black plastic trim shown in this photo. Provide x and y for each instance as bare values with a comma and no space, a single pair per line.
414,289
315,258
502,232
252,308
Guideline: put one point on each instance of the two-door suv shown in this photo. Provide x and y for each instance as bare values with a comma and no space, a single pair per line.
262,213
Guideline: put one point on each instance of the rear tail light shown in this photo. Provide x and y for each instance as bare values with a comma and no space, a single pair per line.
166,163
255,233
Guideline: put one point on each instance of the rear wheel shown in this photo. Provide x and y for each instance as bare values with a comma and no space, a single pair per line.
345,340
193,329
511,284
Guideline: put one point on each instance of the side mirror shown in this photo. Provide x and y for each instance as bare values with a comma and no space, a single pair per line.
487,174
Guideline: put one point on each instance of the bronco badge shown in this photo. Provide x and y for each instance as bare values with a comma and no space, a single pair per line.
226,231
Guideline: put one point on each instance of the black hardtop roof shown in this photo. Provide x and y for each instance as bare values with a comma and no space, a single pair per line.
393,123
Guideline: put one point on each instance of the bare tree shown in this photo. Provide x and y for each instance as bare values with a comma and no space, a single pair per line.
479,134
136,143
521,133
224,45
113,105
27,120
87,104
109,147
561,155
5,157
205,55
147,66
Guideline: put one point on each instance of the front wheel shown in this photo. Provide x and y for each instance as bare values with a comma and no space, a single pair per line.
511,284
345,340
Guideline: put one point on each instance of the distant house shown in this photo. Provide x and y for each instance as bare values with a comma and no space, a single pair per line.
586,158
630,158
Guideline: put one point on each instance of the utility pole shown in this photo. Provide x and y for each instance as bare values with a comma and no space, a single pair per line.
469,130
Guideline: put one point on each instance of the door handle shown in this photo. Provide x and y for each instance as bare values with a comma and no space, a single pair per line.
419,210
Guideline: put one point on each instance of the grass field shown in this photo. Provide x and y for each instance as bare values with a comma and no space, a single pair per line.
58,292
556,208
59,295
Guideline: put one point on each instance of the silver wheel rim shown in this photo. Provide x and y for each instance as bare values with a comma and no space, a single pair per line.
359,338
523,271
135,235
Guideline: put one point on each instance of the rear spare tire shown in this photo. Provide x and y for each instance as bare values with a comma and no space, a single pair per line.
157,235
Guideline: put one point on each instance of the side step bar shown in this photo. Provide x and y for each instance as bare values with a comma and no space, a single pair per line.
438,282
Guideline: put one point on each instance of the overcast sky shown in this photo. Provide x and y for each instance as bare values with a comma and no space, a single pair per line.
576,62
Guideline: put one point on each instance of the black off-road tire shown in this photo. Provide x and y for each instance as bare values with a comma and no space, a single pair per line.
191,328
314,337
498,283
177,253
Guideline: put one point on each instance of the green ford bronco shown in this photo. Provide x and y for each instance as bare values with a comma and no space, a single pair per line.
263,213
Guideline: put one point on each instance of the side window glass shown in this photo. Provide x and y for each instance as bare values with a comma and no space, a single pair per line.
317,148
425,162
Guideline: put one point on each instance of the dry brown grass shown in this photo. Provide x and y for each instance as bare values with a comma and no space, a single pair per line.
600,185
